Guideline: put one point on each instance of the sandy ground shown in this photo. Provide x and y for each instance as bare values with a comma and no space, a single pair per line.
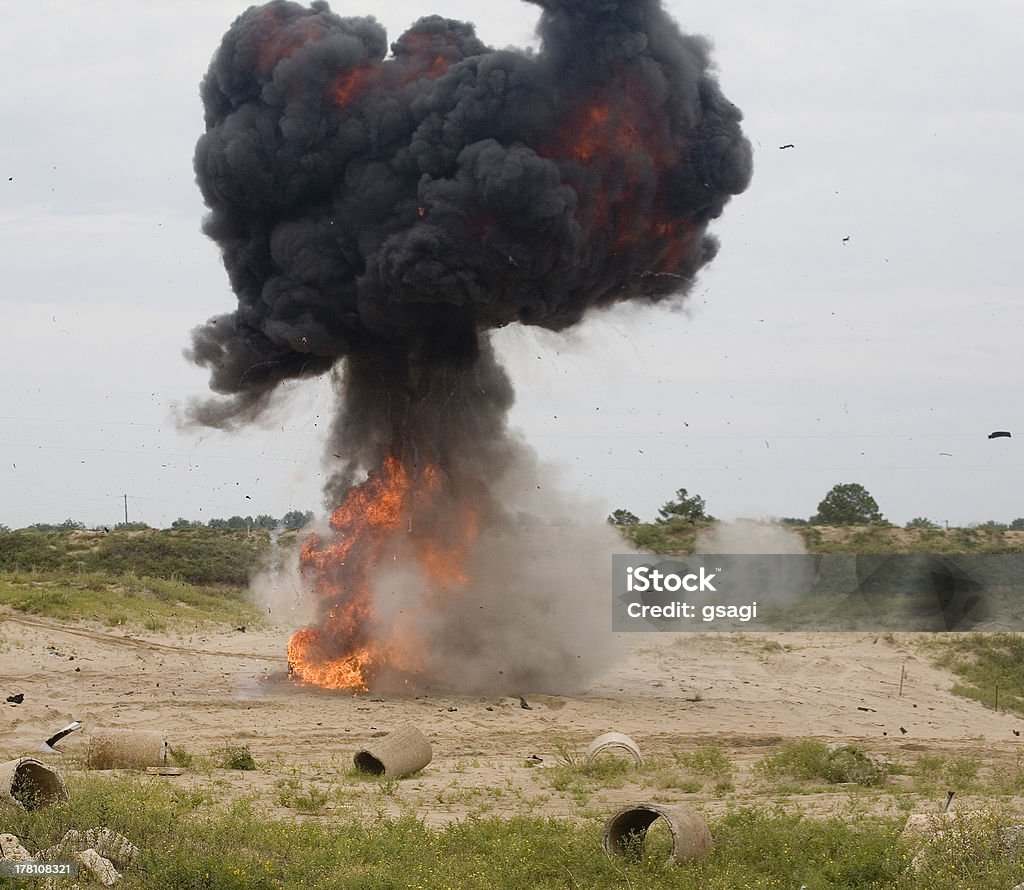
670,693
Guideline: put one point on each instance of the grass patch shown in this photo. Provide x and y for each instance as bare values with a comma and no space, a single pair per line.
235,757
809,760
707,760
932,771
687,772
289,792
990,666
970,849
188,842
580,780
679,537
181,757
153,603
197,556
675,537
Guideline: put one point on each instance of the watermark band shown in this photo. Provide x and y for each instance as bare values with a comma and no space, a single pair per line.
818,592
37,869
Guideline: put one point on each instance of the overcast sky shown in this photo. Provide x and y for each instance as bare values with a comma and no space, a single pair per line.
862,322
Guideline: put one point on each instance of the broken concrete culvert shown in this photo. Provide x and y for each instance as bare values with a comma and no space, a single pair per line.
29,784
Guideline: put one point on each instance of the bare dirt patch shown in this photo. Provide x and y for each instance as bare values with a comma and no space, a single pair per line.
746,695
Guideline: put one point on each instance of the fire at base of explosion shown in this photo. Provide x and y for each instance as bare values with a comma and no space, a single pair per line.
387,212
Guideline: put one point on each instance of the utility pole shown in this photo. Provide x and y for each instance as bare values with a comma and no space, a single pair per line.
126,509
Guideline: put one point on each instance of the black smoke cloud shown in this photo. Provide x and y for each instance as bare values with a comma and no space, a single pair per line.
379,213
391,209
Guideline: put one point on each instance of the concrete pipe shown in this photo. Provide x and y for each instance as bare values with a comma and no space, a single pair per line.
28,784
399,753
127,749
691,838
610,740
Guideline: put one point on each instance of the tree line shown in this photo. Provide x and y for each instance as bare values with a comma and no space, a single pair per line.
848,503
292,520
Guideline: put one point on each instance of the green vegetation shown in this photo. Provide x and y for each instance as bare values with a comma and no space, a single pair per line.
690,508
813,761
847,504
198,556
679,537
688,772
235,757
148,578
289,793
329,827
186,841
960,774
991,667
153,603
623,517
707,760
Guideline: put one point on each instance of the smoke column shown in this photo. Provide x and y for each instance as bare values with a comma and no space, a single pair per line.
378,213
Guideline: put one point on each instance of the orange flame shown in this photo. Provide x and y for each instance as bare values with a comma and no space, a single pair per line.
425,55
620,140
349,83
353,644
283,37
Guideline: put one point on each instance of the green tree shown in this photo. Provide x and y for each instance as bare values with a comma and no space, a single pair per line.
181,523
991,526
1017,525
847,504
685,506
68,525
295,519
921,522
623,517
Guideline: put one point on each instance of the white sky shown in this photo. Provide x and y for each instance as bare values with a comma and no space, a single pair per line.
802,361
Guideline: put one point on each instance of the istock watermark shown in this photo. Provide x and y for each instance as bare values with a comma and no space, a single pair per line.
834,592
640,579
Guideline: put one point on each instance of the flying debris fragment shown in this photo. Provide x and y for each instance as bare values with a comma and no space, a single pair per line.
1000,434
787,145
48,745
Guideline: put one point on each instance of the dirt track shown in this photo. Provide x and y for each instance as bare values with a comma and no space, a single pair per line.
671,693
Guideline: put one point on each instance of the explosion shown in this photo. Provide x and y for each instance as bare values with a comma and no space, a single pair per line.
378,214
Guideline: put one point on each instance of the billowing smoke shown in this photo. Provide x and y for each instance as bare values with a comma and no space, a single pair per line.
379,213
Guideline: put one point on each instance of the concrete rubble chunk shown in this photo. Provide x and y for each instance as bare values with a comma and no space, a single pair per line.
11,849
109,844
101,869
